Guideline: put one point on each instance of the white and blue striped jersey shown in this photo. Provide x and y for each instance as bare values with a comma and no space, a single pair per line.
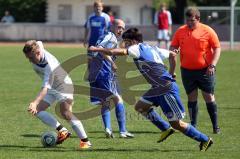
102,68
50,71
149,61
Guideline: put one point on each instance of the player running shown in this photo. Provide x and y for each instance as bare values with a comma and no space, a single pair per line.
56,86
164,91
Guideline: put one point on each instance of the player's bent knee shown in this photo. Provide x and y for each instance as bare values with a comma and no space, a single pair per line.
67,115
178,125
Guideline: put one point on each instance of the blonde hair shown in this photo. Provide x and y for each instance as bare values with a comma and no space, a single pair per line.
98,2
31,46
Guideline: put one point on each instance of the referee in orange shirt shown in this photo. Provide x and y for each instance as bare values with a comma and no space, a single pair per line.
199,53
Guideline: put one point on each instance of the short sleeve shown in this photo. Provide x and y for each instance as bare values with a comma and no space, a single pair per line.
47,78
214,41
133,51
164,54
169,18
109,41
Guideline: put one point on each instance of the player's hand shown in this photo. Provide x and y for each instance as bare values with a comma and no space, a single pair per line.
32,108
92,48
114,67
211,70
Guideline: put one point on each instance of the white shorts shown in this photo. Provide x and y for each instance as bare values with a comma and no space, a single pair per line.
163,35
53,95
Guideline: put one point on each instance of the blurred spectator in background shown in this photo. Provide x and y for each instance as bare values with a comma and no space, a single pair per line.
163,21
110,13
97,24
7,18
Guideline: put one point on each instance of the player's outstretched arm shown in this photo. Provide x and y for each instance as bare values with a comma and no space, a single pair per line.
32,108
117,52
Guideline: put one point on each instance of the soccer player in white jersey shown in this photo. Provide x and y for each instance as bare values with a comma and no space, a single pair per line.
164,91
56,86
102,76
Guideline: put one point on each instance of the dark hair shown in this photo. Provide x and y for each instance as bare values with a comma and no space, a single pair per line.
133,34
193,12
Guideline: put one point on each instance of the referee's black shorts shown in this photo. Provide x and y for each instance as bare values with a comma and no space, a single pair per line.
193,79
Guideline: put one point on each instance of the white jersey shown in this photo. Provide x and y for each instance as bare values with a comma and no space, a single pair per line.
53,75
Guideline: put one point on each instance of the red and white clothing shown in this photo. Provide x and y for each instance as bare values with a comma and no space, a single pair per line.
163,20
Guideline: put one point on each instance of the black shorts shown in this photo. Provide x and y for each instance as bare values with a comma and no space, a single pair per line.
193,79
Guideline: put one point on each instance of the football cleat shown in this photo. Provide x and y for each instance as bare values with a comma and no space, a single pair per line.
126,135
205,145
62,136
165,134
108,133
85,145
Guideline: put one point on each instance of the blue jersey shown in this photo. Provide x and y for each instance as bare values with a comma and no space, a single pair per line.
98,25
100,68
149,61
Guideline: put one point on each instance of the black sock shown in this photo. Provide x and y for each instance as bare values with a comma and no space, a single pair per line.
212,111
59,127
84,140
193,112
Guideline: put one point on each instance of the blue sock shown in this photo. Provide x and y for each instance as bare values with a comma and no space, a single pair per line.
157,120
106,117
193,133
121,118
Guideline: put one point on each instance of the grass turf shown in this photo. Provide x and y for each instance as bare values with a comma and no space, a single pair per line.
20,132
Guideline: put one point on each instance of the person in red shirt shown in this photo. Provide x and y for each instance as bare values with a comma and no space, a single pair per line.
163,22
199,53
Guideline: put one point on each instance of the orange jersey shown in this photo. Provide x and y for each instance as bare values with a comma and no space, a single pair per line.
196,46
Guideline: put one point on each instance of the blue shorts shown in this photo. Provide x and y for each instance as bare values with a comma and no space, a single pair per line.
102,90
170,103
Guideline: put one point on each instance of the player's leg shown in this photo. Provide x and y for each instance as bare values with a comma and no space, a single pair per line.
207,86
166,38
106,118
191,88
66,112
99,92
160,38
174,110
192,132
121,117
144,107
46,117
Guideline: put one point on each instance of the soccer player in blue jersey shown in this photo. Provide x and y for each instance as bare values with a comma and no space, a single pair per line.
102,76
164,91
97,24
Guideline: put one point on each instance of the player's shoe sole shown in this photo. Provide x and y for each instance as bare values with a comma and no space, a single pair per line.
62,136
165,134
205,145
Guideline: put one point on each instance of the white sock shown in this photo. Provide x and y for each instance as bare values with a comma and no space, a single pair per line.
78,128
48,119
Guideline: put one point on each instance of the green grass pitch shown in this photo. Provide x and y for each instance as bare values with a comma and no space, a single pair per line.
20,132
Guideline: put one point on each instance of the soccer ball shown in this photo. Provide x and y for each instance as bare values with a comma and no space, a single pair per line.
49,139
